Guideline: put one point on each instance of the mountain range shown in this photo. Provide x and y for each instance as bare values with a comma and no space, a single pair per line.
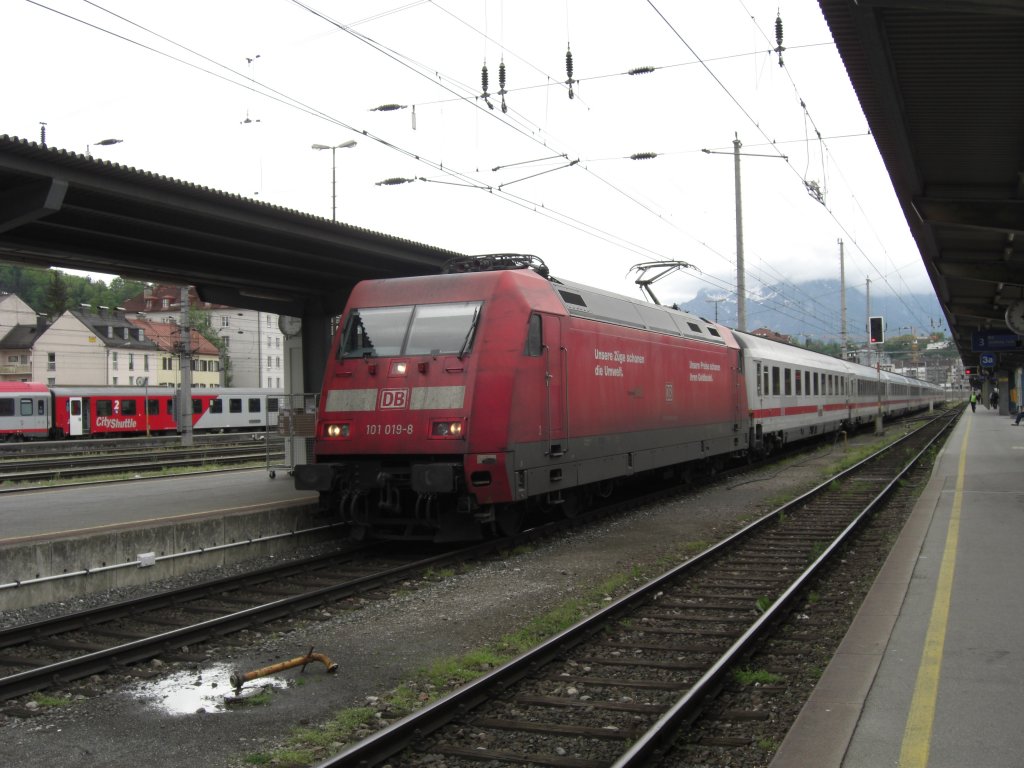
812,310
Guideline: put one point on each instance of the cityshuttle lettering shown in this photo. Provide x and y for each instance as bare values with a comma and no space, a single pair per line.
106,422
703,371
617,359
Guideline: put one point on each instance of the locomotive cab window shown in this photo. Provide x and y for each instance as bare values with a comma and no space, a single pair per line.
534,337
426,329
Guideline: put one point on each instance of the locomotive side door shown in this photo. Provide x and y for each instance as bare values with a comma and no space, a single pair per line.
556,386
75,413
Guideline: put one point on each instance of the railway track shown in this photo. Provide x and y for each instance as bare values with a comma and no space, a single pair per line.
37,656
617,688
118,459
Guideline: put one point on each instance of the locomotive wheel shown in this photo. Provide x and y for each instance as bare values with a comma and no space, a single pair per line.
508,519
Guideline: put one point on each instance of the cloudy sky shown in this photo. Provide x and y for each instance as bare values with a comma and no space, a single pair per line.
232,94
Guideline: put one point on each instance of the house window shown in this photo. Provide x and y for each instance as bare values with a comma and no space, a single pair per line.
131,361
113,360
51,361
225,321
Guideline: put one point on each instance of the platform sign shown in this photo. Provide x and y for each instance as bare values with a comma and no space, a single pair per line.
992,341
987,360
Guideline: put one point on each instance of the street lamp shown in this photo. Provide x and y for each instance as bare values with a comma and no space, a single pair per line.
334,195
103,143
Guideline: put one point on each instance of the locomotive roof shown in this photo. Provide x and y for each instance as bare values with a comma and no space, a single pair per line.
596,304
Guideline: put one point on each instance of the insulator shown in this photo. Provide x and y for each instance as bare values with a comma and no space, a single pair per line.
483,79
643,156
641,71
501,76
388,107
568,70
778,38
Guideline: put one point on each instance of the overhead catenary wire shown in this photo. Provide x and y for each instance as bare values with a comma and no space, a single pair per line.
465,179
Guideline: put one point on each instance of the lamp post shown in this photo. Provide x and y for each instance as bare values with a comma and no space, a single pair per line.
102,143
334,196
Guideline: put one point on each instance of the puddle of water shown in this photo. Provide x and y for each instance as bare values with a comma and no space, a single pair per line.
184,693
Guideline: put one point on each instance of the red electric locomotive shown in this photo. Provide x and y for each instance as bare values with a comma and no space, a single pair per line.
452,403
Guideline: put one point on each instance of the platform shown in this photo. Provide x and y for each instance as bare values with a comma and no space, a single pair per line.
930,673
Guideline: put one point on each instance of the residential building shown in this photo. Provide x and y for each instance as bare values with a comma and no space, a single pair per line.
92,346
19,328
166,369
252,341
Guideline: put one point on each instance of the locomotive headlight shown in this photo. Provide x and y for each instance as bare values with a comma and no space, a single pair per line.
337,430
399,368
450,429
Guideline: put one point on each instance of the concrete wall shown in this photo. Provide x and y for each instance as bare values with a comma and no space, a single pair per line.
32,560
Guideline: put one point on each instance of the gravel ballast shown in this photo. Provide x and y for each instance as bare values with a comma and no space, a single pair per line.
109,721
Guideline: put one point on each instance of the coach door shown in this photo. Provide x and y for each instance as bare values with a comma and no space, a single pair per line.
77,423
556,389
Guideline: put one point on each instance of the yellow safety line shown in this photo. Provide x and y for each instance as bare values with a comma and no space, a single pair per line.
917,735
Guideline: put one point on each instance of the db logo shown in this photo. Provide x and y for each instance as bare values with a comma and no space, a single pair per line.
394,398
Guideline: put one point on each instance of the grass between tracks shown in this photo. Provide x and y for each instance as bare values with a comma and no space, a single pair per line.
309,745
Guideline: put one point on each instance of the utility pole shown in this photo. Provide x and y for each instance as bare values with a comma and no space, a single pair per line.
842,301
716,302
185,366
741,279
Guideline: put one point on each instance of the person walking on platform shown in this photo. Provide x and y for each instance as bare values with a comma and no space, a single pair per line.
993,399
1020,415
974,400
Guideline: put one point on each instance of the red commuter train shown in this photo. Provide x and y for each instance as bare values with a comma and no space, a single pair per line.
30,410
454,403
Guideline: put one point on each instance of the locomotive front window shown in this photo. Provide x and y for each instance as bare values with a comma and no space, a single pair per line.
442,329
421,330
377,332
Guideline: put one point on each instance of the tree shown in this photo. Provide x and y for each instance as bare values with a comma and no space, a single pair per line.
56,301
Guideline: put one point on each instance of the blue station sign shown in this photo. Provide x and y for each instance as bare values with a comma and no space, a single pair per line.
994,341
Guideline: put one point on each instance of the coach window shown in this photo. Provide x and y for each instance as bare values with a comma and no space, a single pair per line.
776,388
799,378
254,405
534,337
41,408
216,406
816,383
197,406
766,382
153,407
6,406
235,405
757,378
25,405
104,408
272,405
789,382
128,407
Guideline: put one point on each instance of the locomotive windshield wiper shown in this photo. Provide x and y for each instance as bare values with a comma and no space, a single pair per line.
469,334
